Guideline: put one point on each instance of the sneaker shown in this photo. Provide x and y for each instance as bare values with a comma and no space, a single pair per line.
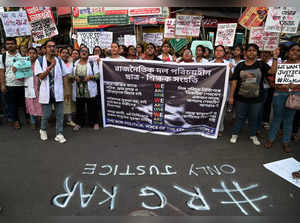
266,125
255,140
43,135
60,138
234,138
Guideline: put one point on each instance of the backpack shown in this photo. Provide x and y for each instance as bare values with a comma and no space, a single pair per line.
40,59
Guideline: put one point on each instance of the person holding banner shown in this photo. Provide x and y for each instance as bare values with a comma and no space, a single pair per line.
114,50
140,51
51,73
33,107
220,58
199,55
150,52
281,113
131,53
85,90
165,56
11,87
248,91
187,56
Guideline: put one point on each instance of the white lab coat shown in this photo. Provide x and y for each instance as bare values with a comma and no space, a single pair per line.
44,97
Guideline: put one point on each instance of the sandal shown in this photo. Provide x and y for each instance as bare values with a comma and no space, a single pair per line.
17,125
286,148
268,144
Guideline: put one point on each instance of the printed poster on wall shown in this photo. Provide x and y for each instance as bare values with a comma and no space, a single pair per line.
92,39
42,22
162,97
170,25
225,34
253,16
188,25
266,41
98,17
15,23
155,38
282,20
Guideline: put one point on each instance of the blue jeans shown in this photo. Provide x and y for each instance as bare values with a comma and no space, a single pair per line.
260,118
282,114
59,112
244,111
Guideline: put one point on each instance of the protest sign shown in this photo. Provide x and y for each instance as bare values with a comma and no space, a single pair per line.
15,23
170,25
282,20
23,65
42,22
266,41
92,39
204,43
225,34
188,25
163,98
178,44
253,16
288,74
155,38
130,40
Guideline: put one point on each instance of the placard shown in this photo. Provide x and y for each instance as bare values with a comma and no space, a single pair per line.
24,68
170,25
155,38
266,41
253,17
225,34
15,23
130,40
288,74
188,25
92,39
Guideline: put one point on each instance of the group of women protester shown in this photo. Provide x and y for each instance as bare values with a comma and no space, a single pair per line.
252,90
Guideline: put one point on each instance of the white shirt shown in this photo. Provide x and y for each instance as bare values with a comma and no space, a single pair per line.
203,60
10,76
59,73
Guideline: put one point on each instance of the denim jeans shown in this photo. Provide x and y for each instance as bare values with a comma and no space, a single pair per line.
59,111
15,98
282,114
244,111
261,112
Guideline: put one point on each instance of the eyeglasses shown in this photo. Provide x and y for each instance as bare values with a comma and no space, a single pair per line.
187,53
84,51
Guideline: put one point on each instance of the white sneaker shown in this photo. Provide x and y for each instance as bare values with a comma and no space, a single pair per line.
43,135
234,138
60,138
255,140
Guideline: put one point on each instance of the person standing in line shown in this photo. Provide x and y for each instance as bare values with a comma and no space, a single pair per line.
199,55
69,105
220,58
165,55
85,91
283,114
11,88
33,107
248,91
51,73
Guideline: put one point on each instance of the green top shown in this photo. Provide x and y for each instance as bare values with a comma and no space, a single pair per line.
82,90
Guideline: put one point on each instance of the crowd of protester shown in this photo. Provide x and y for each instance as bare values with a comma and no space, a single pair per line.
66,81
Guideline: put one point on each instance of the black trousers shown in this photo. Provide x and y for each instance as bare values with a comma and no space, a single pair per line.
296,123
15,98
268,105
89,105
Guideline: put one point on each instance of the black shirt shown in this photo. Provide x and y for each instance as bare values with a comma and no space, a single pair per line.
259,70
51,83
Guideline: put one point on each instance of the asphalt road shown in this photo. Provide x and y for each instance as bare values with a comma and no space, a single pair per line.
121,172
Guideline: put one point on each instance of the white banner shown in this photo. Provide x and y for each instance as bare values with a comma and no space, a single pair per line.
288,74
92,39
266,41
15,23
225,34
282,19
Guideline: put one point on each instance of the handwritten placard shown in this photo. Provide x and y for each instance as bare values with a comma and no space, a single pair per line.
130,40
15,23
282,19
188,25
155,38
266,41
23,65
288,74
170,25
92,39
225,34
